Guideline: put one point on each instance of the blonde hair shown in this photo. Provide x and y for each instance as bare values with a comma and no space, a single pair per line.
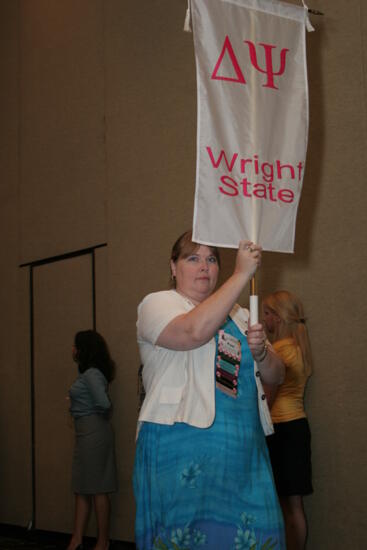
288,307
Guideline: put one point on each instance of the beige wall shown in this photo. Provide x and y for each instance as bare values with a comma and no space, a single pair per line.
97,144
15,469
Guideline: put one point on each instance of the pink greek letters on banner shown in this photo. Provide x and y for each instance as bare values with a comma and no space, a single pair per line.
269,71
252,121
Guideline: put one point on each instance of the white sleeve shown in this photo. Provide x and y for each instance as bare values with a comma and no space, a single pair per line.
156,311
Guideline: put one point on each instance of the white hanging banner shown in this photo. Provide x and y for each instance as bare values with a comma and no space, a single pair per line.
252,121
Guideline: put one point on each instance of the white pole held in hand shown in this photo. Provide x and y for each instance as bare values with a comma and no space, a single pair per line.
254,302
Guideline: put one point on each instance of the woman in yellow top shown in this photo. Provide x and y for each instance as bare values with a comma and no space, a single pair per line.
290,445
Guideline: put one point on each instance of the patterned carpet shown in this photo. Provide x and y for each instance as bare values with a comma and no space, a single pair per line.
18,538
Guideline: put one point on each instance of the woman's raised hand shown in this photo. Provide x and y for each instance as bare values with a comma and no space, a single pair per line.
248,258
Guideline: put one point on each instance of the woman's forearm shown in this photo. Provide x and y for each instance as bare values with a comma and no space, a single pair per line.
198,326
271,368
271,391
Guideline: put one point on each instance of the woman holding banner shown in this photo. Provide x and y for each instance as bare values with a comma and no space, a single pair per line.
202,474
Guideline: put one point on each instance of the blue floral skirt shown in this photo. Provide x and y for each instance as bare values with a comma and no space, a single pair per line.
209,489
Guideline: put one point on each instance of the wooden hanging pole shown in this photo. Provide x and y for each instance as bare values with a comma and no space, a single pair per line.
253,290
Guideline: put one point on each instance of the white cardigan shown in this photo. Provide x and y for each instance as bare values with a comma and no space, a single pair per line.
180,385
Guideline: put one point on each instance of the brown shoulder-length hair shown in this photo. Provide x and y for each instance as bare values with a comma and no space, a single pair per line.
184,247
92,351
292,324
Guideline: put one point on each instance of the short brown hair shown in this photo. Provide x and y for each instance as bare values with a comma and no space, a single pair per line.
184,247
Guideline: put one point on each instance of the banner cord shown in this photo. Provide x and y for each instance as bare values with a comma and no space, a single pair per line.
187,24
314,12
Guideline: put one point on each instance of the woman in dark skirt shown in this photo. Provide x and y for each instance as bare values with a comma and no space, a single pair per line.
290,445
94,469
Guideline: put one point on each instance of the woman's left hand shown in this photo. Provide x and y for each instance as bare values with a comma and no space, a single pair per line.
270,365
256,339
